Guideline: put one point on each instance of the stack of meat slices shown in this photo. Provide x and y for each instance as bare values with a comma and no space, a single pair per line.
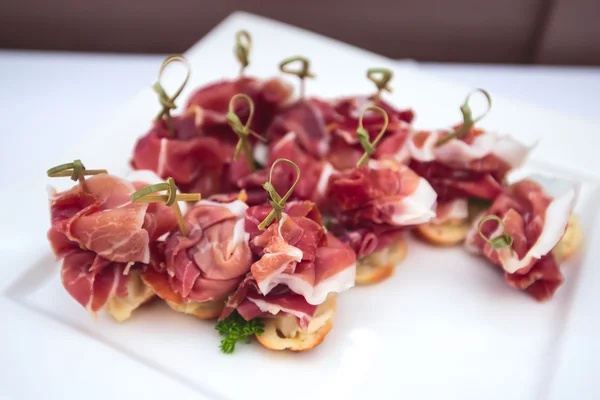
197,272
104,239
372,208
473,166
320,137
199,155
538,229
367,208
293,284
218,263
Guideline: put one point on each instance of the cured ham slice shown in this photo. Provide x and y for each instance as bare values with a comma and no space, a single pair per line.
346,149
385,192
99,233
457,209
313,181
90,288
103,219
535,219
293,304
367,239
199,157
300,265
196,160
473,165
268,97
307,119
213,259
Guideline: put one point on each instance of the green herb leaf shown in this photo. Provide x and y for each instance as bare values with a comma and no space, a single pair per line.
235,329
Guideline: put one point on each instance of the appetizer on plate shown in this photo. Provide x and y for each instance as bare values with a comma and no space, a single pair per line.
462,165
375,204
198,147
528,230
103,238
293,283
268,95
346,147
204,266
356,178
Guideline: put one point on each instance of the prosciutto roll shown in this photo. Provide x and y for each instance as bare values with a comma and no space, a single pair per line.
103,239
293,283
467,167
199,157
372,207
269,96
200,270
343,121
196,160
535,221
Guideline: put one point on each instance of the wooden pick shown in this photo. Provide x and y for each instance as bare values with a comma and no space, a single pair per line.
363,135
278,202
75,170
171,199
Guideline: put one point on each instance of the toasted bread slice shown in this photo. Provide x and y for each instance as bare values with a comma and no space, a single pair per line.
571,240
203,310
380,265
160,285
283,333
448,233
138,293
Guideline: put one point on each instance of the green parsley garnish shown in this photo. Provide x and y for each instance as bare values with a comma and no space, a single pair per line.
236,328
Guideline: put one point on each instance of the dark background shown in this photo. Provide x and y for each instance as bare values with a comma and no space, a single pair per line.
502,31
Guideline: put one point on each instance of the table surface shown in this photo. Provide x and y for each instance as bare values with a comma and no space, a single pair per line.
40,112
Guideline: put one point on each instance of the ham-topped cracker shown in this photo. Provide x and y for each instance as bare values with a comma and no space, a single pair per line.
198,148
207,263
268,96
298,133
300,268
375,198
522,229
347,112
103,238
463,164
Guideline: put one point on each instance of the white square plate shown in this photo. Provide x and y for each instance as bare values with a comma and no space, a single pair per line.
444,326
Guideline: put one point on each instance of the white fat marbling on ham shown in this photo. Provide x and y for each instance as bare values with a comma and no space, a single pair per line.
261,153
239,234
279,256
418,207
236,207
504,147
271,308
426,152
457,209
328,170
555,222
511,151
317,294
162,156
